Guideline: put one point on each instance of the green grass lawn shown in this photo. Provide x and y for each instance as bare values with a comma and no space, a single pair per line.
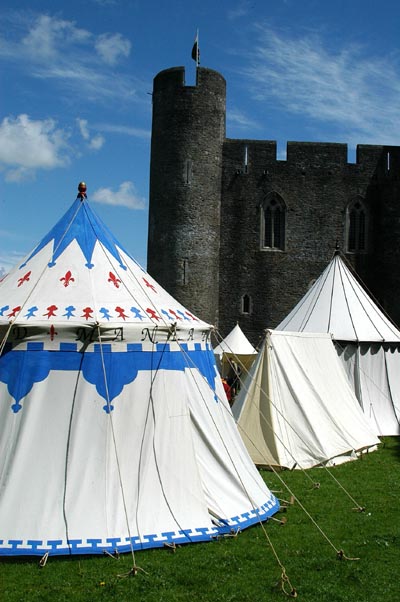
244,568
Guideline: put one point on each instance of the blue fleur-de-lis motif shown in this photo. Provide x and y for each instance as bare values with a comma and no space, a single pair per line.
69,312
136,313
105,313
31,312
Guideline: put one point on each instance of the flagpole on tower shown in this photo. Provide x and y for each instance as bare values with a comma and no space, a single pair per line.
196,50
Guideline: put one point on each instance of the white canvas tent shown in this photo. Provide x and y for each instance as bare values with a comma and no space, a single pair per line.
296,408
235,353
115,433
366,340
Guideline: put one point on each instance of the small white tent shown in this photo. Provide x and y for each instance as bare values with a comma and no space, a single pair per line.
366,340
235,354
115,433
296,408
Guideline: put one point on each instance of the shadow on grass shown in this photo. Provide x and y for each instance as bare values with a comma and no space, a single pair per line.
392,446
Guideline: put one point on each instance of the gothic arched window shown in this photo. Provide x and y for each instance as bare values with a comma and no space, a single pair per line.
246,304
273,216
356,227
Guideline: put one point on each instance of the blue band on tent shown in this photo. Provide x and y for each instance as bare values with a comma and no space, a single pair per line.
20,370
18,547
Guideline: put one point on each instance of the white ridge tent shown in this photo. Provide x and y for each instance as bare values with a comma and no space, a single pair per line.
297,409
115,432
366,340
235,350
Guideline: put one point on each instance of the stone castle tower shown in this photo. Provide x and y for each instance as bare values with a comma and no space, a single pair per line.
237,235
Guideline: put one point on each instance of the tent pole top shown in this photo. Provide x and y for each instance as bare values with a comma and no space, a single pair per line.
82,191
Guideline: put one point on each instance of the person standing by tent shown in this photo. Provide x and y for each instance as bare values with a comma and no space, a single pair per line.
228,390
234,380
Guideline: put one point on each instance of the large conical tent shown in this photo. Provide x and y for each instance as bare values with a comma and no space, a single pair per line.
366,340
297,409
115,433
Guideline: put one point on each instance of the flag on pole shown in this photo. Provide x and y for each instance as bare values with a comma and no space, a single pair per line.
196,50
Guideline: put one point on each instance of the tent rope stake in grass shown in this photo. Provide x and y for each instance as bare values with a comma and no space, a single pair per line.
285,580
132,572
340,554
171,546
116,555
43,560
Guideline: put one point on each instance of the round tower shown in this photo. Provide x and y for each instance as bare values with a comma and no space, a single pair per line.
188,132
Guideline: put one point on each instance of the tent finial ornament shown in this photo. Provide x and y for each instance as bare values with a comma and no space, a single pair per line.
82,191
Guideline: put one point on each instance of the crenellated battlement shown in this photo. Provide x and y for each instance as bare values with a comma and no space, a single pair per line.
315,154
173,80
169,79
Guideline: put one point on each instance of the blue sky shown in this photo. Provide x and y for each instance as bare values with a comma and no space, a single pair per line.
76,81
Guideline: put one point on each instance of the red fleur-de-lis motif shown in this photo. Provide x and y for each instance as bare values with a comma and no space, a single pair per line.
149,285
24,278
121,312
171,311
152,313
52,332
116,282
14,311
67,279
51,311
87,313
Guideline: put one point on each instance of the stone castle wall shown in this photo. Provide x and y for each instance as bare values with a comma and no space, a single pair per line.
213,222
185,187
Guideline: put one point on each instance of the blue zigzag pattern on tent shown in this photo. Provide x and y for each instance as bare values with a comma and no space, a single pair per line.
81,224
20,370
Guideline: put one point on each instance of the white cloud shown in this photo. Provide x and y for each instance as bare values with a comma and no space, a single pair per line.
76,59
124,129
126,196
348,89
241,9
83,126
96,142
111,47
19,174
48,35
237,118
27,145
93,84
